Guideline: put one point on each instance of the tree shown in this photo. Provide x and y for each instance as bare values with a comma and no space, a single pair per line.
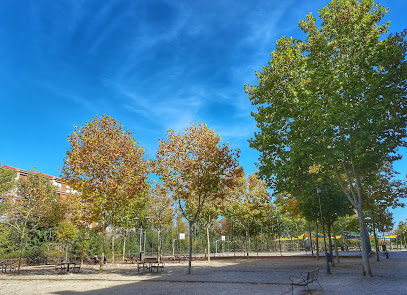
196,170
248,204
224,227
35,204
301,187
336,99
402,231
106,166
161,212
383,191
210,212
66,232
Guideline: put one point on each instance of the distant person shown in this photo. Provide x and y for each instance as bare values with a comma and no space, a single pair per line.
104,259
96,259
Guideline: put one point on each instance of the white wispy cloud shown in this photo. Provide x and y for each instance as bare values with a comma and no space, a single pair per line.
171,113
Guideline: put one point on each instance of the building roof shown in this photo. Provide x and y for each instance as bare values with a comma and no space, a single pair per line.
26,172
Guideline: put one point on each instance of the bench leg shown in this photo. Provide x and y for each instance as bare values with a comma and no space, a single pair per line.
319,285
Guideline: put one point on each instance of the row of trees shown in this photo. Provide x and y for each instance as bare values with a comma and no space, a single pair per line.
48,224
248,217
109,177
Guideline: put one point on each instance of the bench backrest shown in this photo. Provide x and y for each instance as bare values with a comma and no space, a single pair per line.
312,275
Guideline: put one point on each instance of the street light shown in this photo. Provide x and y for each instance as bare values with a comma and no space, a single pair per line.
319,192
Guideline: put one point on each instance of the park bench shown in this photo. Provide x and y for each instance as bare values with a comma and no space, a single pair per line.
8,266
305,279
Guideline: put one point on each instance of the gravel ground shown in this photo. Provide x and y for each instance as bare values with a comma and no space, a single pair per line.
229,276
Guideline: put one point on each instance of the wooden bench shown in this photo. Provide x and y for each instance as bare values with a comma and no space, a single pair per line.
305,279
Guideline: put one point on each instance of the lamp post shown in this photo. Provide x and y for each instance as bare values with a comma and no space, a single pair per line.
319,192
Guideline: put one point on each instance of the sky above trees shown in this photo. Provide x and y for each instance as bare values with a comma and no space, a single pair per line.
152,65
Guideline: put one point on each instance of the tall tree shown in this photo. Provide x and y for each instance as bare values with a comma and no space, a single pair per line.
35,204
336,99
106,166
196,169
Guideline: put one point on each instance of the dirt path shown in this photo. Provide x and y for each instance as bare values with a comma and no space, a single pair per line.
235,276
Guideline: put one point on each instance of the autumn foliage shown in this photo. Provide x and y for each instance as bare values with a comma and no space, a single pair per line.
106,166
196,169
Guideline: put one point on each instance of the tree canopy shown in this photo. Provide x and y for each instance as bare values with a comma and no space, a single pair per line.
336,100
106,166
196,169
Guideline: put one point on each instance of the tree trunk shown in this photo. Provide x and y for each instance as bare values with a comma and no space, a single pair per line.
246,241
376,244
310,240
336,246
190,247
82,235
356,200
20,252
124,245
158,246
113,248
103,250
208,243
365,243
330,244
46,257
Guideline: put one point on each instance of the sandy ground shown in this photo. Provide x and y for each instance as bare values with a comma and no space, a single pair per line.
230,276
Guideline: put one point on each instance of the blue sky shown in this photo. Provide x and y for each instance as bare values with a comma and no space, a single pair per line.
152,65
